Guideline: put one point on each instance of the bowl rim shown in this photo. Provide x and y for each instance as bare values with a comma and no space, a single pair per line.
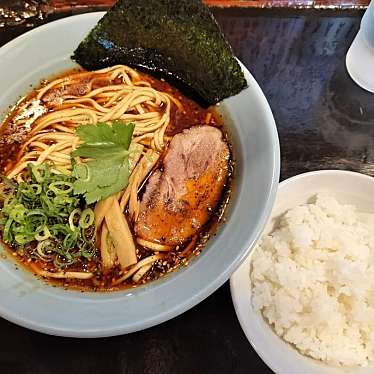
235,290
206,289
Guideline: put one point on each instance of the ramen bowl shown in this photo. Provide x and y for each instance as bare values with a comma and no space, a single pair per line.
32,303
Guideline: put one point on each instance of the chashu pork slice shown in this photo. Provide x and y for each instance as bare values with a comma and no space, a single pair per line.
180,196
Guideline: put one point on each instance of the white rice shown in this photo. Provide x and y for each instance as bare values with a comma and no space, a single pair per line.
313,281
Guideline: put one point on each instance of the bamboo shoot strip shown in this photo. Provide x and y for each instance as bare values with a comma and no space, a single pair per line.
108,255
139,265
100,210
121,235
137,177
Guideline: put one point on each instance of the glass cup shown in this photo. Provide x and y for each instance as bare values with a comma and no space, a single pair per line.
360,56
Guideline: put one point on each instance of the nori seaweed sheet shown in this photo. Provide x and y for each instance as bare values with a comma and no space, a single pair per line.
178,40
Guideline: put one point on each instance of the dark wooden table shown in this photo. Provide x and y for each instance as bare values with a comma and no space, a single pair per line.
324,121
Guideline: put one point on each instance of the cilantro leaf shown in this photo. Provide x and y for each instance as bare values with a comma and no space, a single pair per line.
106,171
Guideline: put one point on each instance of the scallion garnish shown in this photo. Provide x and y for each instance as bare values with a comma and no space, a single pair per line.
44,218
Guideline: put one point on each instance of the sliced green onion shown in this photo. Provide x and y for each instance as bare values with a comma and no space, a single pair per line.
70,240
44,250
63,200
42,233
37,188
60,228
39,172
7,233
87,250
18,212
42,217
31,191
71,218
36,217
47,204
87,218
22,238
64,262
61,187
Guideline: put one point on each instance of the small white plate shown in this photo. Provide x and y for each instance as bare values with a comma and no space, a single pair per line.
282,358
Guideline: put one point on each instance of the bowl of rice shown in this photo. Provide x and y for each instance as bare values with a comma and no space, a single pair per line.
305,295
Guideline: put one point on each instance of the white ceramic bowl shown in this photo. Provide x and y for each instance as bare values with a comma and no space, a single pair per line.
348,188
30,302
